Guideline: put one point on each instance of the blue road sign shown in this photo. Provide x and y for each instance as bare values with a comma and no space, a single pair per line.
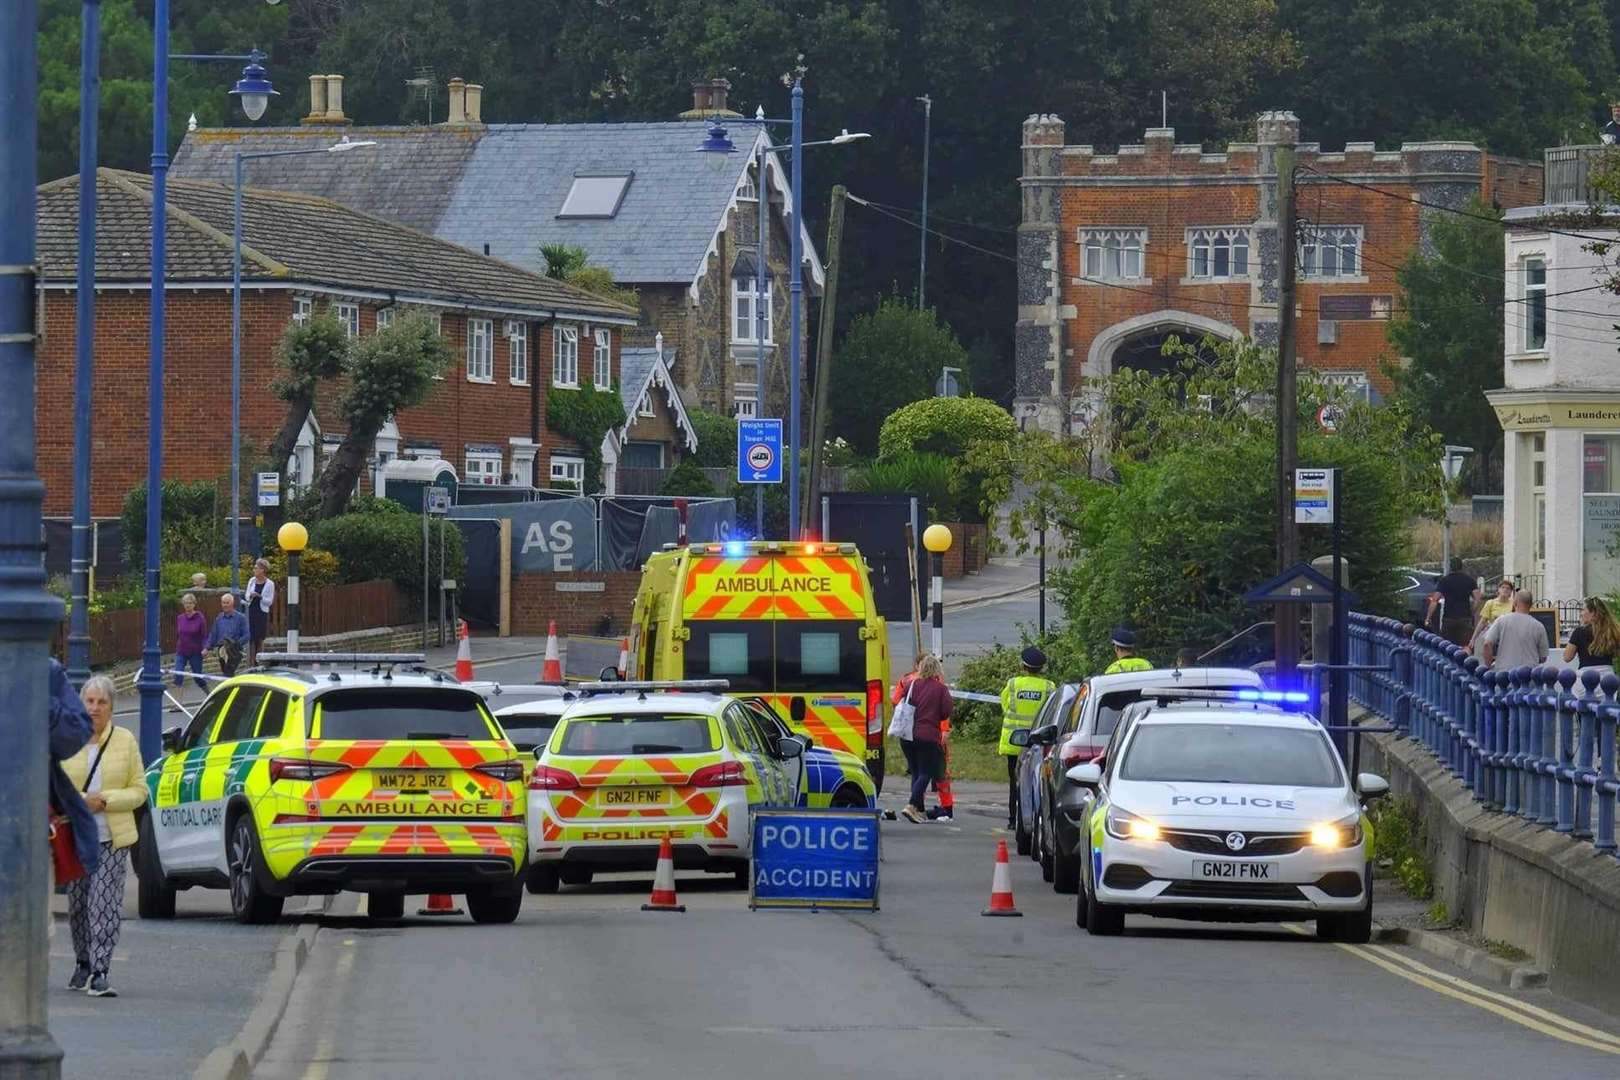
815,858
759,451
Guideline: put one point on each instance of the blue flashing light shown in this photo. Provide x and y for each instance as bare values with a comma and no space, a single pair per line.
1286,697
736,548
1248,695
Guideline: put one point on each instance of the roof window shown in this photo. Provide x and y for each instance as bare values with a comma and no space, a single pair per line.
596,195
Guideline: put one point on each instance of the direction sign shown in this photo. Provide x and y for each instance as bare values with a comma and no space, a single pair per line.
759,451
1313,496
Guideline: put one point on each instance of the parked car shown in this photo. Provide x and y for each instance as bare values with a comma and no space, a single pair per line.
1029,764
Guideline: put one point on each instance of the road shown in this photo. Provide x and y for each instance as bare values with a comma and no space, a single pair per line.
587,985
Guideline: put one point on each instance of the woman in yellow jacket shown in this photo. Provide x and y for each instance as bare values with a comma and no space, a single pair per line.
108,772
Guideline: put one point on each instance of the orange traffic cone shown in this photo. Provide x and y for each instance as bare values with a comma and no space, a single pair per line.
439,904
663,890
464,670
551,670
624,657
1001,897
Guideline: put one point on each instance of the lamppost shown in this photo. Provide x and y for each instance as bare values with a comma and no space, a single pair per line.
293,538
927,102
236,333
718,142
84,325
253,91
937,539
1452,462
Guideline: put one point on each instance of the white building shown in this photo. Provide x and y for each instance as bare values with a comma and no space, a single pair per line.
1560,403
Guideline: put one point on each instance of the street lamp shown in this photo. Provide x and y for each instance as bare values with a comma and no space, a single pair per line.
718,144
937,539
292,538
253,89
236,330
1451,462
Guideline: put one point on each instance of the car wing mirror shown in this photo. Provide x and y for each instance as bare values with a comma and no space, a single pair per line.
789,748
1372,786
1088,774
608,674
171,740
1044,736
1019,737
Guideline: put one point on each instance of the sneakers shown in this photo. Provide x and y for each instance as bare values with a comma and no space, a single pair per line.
99,986
910,814
939,813
80,979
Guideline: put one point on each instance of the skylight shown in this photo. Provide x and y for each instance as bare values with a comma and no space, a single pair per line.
595,196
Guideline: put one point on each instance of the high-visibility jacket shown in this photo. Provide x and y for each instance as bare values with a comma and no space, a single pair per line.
1127,663
1021,700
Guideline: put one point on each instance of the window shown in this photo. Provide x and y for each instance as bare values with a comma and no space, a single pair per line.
748,191
1330,251
645,406
741,652
1112,254
1600,537
1218,253
565,356
203,722
303,308
385,318
602,360
745,312
568,472
636,734
1535,304
1231,754
349,316
483,467
595,196
517,351
414,712
1538,492
480,350
819,657
745,405
242,716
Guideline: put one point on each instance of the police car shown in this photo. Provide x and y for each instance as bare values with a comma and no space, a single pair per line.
1221,805
361,776
634,763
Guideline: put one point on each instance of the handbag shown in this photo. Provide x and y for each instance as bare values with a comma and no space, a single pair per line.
65,864
905,715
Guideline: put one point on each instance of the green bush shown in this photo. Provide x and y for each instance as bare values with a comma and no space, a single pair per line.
193,523
686,479
586,415
933,478
717,439
378,544
1399,844
886,359
315,567
944,426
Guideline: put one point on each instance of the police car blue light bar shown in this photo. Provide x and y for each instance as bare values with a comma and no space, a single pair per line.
1269,697
1291,697
736,548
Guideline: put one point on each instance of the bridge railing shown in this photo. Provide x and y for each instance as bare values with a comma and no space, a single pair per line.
1535,742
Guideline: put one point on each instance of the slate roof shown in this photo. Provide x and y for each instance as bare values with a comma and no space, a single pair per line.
502,185
641,368
290,237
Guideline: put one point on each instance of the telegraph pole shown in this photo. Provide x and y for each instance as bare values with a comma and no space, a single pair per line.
824,350
922,243
1287,628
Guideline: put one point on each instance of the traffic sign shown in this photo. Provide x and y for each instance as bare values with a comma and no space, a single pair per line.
1313,496
269,489
759,451
815,859
438,500
1329,417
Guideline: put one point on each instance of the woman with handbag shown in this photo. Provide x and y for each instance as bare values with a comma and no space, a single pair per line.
72,828
930,701
900,722
108,773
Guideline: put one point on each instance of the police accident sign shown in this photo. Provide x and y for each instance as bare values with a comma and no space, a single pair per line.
815,859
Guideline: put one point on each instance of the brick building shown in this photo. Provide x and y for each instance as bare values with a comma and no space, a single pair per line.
514,335
675,225
1160,239
656,431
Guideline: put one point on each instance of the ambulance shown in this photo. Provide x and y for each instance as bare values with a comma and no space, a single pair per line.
791,622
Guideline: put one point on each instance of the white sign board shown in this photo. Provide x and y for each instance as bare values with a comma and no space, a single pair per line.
269,489
1313,496
438,500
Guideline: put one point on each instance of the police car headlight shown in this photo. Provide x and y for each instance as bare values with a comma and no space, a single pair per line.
1338,834
1124,825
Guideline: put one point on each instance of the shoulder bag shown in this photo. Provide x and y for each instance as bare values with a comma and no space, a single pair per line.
905,715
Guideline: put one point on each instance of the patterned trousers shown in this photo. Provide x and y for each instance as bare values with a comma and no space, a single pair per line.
96,909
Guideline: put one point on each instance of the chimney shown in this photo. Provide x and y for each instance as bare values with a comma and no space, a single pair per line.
317,100
334,100
1278,127
458,101
709,98
475,103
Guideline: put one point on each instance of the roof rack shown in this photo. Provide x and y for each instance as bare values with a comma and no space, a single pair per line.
717,686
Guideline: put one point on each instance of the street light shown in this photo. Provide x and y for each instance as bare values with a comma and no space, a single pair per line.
236,332
937,539
292,538
253,89
1451,462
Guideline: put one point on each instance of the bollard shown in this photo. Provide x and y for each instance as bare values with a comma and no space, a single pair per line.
1607,789
1401,706
1456,730
1489,722
1510,744
1530,745
1546,748
1471,713
1564,769
1586,754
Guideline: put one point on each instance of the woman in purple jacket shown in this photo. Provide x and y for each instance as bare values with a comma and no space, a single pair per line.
931,699
190,631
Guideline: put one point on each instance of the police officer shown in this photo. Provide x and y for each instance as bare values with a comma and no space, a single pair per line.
1125,658
1021,701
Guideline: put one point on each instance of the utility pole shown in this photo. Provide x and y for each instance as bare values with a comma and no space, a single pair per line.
1287,406
824,349
922,243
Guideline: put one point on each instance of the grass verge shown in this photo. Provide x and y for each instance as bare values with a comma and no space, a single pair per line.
969,760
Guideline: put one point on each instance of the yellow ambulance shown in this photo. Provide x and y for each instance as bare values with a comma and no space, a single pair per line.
790,622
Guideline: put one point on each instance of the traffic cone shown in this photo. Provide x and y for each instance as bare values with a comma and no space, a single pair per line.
551,670
663,890
439,904
1001,897
464,670
624,657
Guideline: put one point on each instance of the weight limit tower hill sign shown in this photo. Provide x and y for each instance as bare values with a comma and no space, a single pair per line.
759,451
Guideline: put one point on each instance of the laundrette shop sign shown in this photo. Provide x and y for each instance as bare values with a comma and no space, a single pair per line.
815,859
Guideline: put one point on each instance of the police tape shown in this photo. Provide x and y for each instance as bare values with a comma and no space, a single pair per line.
969,695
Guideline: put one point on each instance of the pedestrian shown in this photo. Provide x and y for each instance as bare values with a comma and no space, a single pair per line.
228,637
107,770
261,597
896,696
1494,608
1596,641
190,631
69,732
931,700
1457,595
1186,657
199,580
1021,701
1125,658
1517,639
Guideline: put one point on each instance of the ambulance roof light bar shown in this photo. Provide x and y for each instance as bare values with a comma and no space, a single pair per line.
737,549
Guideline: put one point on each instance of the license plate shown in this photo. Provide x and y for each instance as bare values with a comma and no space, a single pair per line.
633,796
1225,870
413,780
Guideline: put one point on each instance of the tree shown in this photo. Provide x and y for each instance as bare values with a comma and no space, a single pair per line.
391,370
717,439
1448,327
567,262
310,353
889,358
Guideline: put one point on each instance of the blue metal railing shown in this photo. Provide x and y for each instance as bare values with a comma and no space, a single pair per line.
1538,743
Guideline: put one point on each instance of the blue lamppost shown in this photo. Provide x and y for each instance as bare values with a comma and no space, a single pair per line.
718,142
78,642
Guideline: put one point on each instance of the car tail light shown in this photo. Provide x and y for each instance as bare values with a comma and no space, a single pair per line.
546,778
302,769
1078,755
501,770
874,714
720,774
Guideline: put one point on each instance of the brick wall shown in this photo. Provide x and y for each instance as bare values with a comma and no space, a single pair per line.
539,598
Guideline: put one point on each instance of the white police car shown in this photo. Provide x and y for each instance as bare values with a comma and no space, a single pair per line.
1221,805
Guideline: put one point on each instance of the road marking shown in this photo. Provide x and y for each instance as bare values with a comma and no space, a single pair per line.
325,1043
1509,1008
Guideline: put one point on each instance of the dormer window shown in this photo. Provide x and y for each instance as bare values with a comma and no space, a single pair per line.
596,195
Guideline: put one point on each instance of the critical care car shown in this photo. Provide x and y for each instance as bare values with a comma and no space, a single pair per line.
634,763
361,776
1221,805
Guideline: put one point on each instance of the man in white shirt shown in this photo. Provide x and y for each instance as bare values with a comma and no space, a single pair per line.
1517,639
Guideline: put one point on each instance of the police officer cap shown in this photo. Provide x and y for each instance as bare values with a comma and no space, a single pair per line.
1033,658
1124,638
